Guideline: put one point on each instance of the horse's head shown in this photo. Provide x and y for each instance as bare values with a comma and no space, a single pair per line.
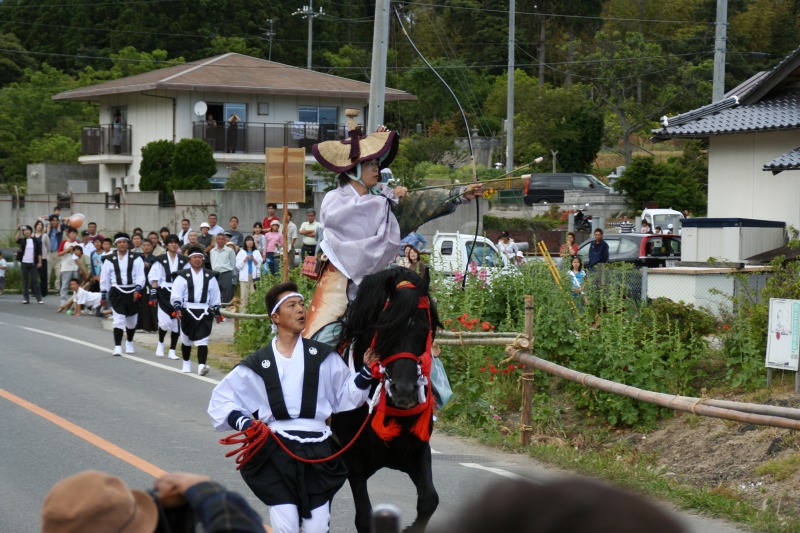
393,314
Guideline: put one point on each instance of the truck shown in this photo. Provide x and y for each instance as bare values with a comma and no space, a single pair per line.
663,218
450,251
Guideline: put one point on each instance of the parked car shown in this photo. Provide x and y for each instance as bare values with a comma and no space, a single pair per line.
639,249
449,254
550,187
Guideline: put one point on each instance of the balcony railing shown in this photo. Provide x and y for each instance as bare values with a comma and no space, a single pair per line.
106,139
253,138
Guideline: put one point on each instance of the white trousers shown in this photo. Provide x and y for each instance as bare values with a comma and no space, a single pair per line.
286,519
166,322
123,322
186,341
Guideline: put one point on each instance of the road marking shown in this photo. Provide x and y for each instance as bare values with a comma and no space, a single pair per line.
124,356
86,435
498,471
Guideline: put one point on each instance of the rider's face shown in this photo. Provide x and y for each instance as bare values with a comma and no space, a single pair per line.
370,173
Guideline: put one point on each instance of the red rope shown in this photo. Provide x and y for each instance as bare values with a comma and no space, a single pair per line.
253,438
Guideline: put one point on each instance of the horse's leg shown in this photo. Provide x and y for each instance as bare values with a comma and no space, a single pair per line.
362,503
421,473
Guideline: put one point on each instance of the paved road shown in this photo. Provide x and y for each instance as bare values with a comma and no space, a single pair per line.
138,415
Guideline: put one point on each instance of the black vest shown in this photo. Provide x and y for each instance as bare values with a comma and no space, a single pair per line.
187,273
262,362
164,260
115,261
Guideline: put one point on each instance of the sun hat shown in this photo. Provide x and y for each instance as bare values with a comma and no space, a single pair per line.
205,225
274,223
95,502
343,155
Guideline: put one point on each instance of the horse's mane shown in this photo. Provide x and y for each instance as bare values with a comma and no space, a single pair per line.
395,323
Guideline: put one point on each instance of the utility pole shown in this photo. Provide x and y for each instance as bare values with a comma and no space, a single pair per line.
308,12
268,35
377,78
720,38
510,88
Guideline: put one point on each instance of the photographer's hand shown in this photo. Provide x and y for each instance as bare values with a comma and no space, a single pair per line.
172,487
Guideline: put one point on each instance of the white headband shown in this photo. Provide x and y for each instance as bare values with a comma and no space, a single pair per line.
197,253
121,239
277,305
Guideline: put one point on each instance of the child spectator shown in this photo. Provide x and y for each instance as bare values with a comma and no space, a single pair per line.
83,299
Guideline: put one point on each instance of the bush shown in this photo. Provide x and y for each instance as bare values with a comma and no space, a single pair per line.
192,165
156,169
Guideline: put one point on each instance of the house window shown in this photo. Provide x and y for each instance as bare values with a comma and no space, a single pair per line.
318,114
239,109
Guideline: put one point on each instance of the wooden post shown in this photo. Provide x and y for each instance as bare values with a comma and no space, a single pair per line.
285,259
527,379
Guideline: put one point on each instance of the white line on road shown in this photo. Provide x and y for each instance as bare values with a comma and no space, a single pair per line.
498,471
106,350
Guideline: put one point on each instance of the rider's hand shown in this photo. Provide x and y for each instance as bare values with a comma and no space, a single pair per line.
473,190
400,192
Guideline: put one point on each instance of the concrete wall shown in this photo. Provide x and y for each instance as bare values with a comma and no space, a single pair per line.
56,177
141,209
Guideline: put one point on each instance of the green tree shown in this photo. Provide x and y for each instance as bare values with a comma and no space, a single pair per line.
550,118
192,165
638,82
54,148
27,112
680,183
246,177
238,45
156,169
13,60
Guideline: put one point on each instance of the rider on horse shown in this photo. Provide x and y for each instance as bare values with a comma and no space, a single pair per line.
364,220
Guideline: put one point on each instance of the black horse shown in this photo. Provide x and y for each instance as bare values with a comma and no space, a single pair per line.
393,316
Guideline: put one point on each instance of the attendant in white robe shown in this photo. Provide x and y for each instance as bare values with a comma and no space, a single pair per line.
161,277
269,384
122,279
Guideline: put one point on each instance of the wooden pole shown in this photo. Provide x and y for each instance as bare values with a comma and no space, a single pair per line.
527,379
670,401
285,225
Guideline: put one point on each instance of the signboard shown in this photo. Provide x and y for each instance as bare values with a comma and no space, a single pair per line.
783,337
285,173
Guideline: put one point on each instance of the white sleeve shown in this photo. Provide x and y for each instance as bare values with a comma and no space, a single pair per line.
178,291
257,258
340,387
240,257
106,271
241,390
156,273
213,292
138,272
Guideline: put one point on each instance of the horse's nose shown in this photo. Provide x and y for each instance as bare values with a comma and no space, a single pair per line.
405,389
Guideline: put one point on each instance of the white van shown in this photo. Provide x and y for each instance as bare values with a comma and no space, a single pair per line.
663,218
450,251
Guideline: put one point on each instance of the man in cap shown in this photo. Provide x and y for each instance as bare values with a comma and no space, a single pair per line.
195,302
92,501
273,384
121,282
364,220
161,276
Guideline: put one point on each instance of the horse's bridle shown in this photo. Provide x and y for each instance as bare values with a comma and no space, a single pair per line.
423,360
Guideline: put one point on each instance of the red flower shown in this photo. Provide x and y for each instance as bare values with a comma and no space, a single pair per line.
483,369
725,326
505,371
491,378
520,365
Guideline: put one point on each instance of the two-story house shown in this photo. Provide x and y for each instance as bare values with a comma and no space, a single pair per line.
238,104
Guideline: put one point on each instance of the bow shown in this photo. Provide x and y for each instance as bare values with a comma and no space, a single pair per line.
469,139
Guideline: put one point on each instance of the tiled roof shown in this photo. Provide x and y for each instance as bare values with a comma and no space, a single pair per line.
787,161
781,111
235,73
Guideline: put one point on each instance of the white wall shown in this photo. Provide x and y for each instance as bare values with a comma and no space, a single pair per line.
738,188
